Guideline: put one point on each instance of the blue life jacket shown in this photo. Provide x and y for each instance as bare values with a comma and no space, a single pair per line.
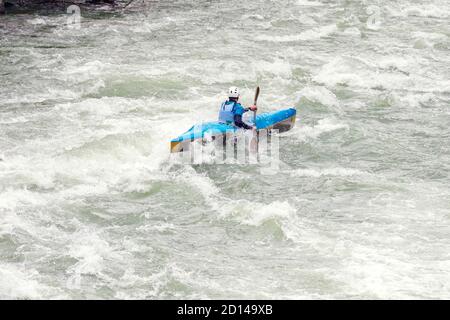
227,112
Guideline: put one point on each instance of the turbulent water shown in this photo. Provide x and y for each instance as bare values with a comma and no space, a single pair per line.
93,206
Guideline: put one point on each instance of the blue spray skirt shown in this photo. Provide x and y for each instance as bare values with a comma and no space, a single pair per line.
282,120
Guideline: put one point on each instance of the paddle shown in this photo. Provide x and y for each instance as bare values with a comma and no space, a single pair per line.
254,117
254,103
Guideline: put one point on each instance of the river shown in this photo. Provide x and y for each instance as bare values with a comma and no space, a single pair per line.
92,206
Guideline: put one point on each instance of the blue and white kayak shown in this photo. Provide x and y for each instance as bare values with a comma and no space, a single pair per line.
282,120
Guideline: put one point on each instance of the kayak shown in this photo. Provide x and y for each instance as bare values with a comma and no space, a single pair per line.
281,120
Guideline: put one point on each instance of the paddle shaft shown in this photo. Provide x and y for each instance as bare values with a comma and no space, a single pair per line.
254,103
254,118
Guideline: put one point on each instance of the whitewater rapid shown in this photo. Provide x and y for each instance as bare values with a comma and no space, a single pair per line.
93,206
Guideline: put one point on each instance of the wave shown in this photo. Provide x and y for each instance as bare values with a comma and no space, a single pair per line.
18,282
319,94
276,217
316,173
309,3
419,10
386,73
323,126
312,34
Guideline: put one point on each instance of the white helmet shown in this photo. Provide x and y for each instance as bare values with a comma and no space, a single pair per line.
233,92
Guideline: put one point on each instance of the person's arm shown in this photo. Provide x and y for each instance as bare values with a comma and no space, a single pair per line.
241,124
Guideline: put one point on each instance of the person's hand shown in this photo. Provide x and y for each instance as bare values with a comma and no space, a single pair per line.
253,108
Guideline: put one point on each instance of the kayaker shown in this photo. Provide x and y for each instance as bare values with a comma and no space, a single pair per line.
231,111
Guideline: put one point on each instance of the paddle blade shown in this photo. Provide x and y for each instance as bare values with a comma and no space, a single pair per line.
256,95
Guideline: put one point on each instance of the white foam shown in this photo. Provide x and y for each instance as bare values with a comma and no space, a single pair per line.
281,213
13,120
149,27
338,71
278,67
201,182
155,284
429,35
37,21
105,106
18,282
309,3
83,72
400,63
420,10
387,274
252,16
261,213
322,126
92,253
162,227
106,159
312,34
365,73
352,31
428,39
316,173
319,94
417,99
12,198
